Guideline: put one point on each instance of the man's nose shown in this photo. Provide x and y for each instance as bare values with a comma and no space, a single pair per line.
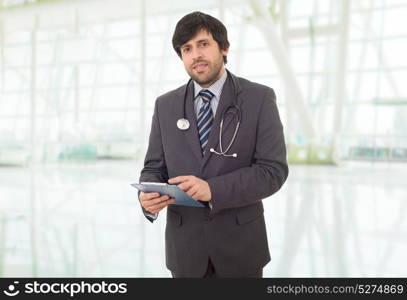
196,54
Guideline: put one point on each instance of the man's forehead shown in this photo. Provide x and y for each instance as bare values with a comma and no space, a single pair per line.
200,35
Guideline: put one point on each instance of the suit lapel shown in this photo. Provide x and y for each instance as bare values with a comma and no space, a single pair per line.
191,134
226,99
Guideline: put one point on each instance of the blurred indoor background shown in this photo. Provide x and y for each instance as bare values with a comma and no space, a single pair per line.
78,82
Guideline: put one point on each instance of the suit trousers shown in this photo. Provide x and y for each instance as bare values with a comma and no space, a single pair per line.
211,273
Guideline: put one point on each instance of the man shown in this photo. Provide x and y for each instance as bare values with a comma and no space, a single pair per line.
226,238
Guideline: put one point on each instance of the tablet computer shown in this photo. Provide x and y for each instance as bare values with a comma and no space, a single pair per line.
172,190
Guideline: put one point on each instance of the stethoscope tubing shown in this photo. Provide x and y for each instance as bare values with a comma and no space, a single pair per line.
183,123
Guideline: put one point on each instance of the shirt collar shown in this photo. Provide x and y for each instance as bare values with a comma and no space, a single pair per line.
215,88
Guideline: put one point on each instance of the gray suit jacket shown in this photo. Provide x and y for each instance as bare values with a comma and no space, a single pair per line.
233,232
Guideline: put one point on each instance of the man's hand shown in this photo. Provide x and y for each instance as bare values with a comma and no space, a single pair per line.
153,202
195,187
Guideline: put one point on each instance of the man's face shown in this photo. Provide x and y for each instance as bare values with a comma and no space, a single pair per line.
203,60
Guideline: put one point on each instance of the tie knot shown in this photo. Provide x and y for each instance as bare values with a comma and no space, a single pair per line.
206,95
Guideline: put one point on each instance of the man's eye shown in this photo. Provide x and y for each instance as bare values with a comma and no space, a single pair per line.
185,50
205,44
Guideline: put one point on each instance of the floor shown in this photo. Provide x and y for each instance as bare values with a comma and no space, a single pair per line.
84,220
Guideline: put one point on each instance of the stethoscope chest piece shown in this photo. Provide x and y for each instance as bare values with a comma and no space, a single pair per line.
183,124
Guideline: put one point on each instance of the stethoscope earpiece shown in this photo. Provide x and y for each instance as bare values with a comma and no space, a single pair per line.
223,153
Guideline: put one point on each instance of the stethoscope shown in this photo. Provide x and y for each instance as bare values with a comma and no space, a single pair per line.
183,123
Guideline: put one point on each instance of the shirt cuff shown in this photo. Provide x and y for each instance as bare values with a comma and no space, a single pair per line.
151,215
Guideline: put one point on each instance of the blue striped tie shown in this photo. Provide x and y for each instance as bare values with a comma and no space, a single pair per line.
205,118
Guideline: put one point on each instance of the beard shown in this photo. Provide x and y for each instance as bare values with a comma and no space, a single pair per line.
210,75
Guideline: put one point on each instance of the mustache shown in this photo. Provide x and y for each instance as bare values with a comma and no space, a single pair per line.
199,62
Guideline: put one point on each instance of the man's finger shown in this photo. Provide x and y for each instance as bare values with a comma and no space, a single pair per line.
156,208
179,179
154,201
185,186
193,193
149,196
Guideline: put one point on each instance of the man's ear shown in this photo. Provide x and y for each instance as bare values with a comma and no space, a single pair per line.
225,51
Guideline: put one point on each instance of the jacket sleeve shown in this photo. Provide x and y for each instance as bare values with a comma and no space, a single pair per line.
269,168
155,169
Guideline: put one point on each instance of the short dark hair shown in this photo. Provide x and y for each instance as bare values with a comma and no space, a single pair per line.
192,23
